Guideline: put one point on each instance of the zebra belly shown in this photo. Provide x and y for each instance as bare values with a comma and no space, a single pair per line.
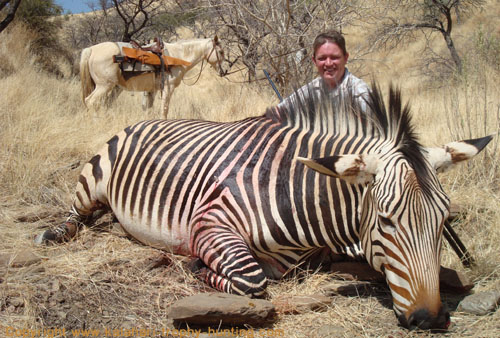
159,237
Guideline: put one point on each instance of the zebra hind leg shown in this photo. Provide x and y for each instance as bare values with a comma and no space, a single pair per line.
226,263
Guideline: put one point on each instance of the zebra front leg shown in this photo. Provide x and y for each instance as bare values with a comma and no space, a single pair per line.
226,263
64,232
89,204
69,229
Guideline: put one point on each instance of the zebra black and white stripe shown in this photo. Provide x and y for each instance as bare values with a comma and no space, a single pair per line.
241,196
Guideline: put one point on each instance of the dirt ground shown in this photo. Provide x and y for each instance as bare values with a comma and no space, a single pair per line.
106,284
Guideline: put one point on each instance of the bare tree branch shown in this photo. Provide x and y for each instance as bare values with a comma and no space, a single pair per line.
11,12
276,34
135,14
406,17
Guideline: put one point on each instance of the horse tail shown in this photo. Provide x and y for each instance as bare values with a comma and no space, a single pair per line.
88,84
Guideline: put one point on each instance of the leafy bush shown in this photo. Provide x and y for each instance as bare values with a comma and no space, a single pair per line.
42,17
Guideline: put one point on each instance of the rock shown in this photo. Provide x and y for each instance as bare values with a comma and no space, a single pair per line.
160,261
117,230
33,216
356,271
301,304
327,331
454,281
480,303
351,289
455,211
222,309
130,323
56,286
16,302
20,258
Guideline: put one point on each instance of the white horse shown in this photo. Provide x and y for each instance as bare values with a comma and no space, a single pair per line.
100,75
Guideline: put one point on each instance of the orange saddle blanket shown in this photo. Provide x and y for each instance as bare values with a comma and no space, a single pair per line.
152,59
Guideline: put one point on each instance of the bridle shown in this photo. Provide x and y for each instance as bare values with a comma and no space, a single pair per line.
219,63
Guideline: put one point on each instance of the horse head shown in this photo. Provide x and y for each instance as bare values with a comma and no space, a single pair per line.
215,55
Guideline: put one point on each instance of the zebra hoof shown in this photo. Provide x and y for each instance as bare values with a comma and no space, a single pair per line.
61,234
196,266
45,238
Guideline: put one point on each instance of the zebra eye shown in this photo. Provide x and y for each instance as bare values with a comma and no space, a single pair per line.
386,221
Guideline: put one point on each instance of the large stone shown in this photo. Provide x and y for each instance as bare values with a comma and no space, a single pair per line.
454,281
480,303
327,331
20,258
301,304
222,309
356,271
33,217
349,289
455,211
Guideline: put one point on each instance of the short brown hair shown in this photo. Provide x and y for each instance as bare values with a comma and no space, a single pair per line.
332,36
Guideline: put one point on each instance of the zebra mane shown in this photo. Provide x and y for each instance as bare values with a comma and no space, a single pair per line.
343,116
396,123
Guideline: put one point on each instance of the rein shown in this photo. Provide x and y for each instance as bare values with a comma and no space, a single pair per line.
199,74
246,81
202,65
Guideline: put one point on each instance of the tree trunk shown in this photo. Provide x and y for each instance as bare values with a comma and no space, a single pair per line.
10,14
454,54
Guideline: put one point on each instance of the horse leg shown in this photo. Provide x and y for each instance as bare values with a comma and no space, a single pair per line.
90,200
167,95
97,97
115,92
148,100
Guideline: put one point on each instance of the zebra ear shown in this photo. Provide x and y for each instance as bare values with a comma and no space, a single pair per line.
355,169
451,153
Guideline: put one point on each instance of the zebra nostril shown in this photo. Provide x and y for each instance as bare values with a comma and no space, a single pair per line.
444,320
423,320
420,319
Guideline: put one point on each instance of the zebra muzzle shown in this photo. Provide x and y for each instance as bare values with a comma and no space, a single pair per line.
423,319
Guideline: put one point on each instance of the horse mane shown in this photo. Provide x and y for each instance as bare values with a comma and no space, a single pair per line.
186,47
342,115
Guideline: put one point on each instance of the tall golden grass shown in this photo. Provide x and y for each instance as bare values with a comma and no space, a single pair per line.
103,279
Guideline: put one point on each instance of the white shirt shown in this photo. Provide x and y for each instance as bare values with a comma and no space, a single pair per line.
349,84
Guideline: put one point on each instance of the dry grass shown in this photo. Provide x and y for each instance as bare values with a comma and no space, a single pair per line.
104,279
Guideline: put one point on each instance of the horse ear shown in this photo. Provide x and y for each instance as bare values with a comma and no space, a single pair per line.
355,169
216,39
452,153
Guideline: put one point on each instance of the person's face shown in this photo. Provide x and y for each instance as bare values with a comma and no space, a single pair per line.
330,61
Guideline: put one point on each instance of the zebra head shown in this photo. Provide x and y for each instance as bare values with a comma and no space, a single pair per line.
402,212
402,218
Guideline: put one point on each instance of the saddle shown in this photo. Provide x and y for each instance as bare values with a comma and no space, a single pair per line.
147,58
